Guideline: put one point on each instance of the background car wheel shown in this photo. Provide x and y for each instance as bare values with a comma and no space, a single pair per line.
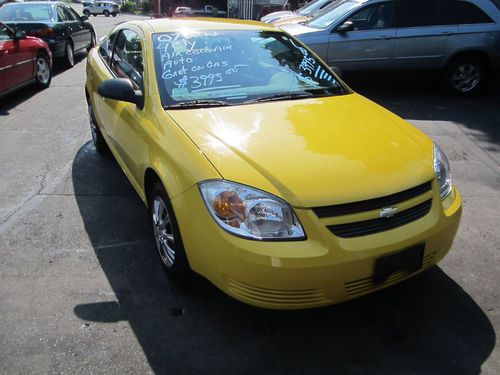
86,13
69,54
92,41
167,235
97,139
465,76
113,14
106,13
43,73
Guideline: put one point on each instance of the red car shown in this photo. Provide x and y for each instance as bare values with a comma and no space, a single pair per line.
23,60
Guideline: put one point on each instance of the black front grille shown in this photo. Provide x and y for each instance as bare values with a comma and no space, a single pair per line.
363,228
372,204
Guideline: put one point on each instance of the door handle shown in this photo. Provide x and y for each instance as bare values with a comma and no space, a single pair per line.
446,33
385,37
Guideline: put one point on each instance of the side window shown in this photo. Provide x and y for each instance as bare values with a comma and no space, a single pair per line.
467,13
127,57
377,16
4,33
106,48
76,16
61,16
418,13
70,16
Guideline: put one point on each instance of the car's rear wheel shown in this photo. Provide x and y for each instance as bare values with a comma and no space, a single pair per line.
465,75
69,54
113,14
97,138
167,235
86,13
106,13
43,71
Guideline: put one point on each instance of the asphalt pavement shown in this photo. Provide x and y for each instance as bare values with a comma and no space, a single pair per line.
82,290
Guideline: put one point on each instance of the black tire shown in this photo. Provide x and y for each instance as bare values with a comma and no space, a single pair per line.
86,13
69,54
43,73
97,139
95,15
178,269
465,76
92,41
113,14
106,12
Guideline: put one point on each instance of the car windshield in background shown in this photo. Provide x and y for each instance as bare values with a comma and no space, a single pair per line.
26,12
332,14
234,67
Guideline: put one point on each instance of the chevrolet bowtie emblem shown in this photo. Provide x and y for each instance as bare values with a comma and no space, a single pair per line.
388,211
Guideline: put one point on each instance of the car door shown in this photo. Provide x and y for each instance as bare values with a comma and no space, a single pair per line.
425,35
123,126
84,32
369,43
17,60
74,28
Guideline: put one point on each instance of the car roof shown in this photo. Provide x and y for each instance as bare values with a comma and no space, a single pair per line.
201,24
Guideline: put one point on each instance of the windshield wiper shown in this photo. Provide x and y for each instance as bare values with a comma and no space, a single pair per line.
276,97
198,103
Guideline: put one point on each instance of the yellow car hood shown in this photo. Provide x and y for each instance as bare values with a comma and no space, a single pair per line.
312,152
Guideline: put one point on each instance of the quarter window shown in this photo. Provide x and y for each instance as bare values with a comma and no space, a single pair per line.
106,48
467,13
61,16
4,33
127,58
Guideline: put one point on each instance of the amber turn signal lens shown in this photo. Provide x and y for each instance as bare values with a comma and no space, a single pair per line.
228,205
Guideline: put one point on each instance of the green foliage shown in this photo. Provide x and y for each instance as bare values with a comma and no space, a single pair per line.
128,7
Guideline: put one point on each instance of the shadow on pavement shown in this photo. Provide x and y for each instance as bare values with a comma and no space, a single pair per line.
428,324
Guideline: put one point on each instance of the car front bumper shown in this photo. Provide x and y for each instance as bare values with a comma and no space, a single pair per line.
321,270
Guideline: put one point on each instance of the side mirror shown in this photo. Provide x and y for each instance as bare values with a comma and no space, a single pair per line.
345,27
84,18
121,89
19,34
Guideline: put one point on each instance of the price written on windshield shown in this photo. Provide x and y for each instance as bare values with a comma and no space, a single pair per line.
198,61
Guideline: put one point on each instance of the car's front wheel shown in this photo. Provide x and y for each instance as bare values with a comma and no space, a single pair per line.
86,13
106,13
43,71
465,75
113,14
167,235
97,138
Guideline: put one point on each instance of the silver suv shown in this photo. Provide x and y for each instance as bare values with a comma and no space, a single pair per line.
459,37
102,7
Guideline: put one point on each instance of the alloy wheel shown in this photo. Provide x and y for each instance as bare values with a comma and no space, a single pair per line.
466,77
163,232
42,70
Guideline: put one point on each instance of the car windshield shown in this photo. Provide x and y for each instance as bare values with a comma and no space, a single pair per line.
234,67
313,7
332,14
26,12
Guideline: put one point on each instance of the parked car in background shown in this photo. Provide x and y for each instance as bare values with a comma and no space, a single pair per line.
105,8
261,169
206,11
461,38
65,32
24,60
305,11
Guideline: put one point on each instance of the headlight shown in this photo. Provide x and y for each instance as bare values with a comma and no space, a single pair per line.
443,172
250,213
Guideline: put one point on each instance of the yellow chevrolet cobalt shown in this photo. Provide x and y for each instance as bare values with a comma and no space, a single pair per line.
261,170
